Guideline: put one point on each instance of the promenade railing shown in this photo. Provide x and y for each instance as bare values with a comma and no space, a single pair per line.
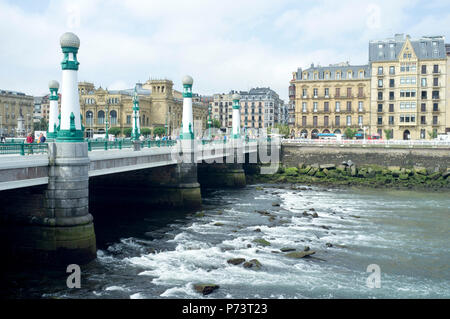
23,148
369,143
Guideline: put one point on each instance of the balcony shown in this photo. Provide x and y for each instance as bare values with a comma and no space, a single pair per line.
436,110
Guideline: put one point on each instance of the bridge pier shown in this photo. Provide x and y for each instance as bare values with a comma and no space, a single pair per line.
222,175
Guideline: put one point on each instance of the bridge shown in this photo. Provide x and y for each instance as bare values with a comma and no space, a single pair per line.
45,189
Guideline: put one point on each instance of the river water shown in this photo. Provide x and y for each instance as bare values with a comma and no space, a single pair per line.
161,254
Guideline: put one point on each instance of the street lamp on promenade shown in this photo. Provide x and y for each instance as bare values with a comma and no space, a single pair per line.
106,122
209,121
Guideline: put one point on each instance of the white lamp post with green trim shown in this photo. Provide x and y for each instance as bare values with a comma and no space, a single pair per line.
187,129
53,113
136,132
71,129
236,116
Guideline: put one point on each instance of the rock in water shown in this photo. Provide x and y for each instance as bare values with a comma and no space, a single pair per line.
236,261
300,254
261,241
276,204
206,289
287,249
254,263
315,215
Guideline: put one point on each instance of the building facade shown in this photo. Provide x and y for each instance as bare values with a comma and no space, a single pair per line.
403,92
330,99
159,104
222,109
16,113
261,108
409,87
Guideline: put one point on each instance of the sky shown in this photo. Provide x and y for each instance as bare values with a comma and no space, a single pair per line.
223,45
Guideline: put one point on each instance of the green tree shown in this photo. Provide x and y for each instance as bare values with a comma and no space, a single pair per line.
350,133
42,125
216,123
283,130
388,134
146,131
115,131
432,134
159,131
127,131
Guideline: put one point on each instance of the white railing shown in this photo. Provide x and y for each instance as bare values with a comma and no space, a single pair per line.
385,143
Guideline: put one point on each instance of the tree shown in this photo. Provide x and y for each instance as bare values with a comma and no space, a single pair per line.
432,134
146,131
216,123
159,131
283,129
114,131
127,131
388,134
350,133
42,125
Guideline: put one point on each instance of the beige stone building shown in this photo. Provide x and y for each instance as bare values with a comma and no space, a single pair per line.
160,106
409,87
331,99
222,109
16,113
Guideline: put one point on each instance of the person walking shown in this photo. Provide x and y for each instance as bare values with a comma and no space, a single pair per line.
30,140
42,138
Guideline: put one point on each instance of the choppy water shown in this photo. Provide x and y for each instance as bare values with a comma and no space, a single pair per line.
161,254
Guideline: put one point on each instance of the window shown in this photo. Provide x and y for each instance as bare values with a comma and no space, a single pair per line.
315,121
435,120
435,95
422,133
380,108
304,92
113,117
361,74
337,120
338,92
424,69
316,92
325,120
424,82
304,107
424,95
435,81
326,106
392,70
360,120
315,106
350,74
423,107
380,96
435,107
380,70
327,76
338,106
380,120
327,92
349,120
391,120
423,119
391,96
391,83
101,118
360,92
391,108
360,106
89,118
338,75
349,92
349,106
380,83
436,68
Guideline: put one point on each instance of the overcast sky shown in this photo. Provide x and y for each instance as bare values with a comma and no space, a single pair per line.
223,45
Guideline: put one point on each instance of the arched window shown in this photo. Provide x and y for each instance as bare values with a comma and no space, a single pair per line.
101,117
113,117
89,118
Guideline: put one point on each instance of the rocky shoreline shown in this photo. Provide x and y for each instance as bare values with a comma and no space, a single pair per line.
348,174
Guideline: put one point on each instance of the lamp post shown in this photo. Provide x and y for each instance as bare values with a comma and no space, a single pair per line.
136,131
209,121
106,122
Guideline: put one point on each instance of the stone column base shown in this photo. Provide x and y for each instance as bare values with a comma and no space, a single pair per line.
49,245
186,196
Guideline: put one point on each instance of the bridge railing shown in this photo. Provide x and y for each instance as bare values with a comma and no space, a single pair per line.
23,148
380,142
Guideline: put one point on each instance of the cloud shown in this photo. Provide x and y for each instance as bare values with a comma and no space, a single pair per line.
222,45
